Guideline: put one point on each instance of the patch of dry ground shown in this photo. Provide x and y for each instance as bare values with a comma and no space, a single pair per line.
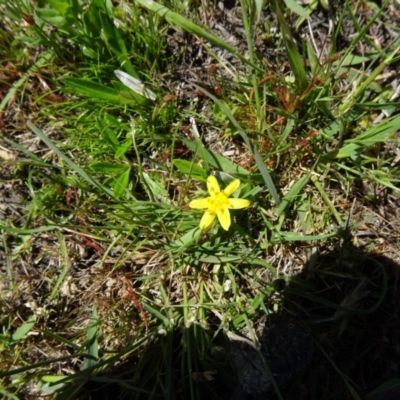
28,263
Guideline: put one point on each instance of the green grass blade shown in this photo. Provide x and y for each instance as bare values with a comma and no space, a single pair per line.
295,59
39,63
92,89
187,25
295,7
74,166
92,344
377,134
117,44
217,160
292,194
64,267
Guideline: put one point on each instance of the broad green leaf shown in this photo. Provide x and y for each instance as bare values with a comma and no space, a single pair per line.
377,134
124,147
109,136
134,84
159,191
92,89
295,7
50,16
24,329
62,7
88,52
121,184
49,384
349,150
217,160
7,395
188,238
258,6
129,97
191,169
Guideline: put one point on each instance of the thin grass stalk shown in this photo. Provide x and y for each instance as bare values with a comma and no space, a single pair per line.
247,30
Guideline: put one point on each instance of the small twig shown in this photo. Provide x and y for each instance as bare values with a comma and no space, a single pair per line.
136,302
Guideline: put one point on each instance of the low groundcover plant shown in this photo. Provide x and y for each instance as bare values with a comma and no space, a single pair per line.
219,203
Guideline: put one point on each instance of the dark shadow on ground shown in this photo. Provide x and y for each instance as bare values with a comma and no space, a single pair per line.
336,337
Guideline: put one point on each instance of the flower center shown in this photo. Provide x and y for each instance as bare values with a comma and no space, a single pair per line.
217,202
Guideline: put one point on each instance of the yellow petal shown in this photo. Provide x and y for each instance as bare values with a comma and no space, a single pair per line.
232,187
207,220
224,217
212,185
199,203
235,204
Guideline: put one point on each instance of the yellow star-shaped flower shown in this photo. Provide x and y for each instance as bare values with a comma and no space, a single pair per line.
219,203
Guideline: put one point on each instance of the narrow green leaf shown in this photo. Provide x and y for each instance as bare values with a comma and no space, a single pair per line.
376,134
74,166
295,59
391,384
91,20
218,259
116,43
92,344
292,194
92,89
39,63
62,268
327,201
7,395
354,59
109,168
168,324
259,161
187,25
314,64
